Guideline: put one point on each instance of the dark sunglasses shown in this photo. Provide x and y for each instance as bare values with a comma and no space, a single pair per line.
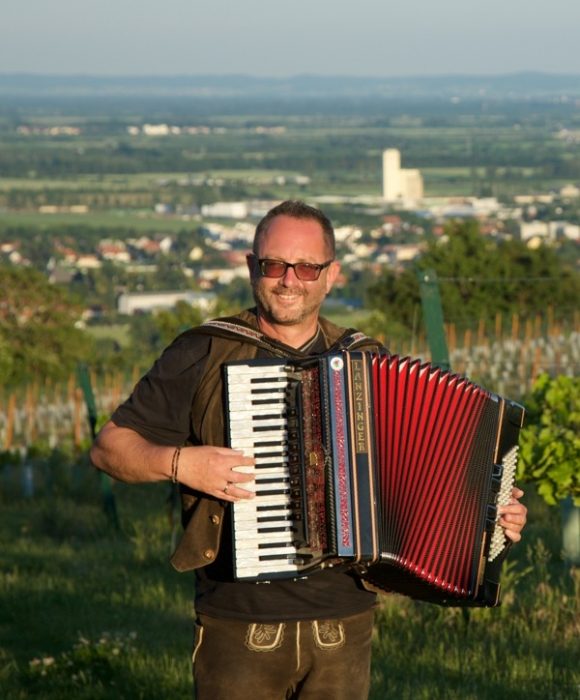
306,272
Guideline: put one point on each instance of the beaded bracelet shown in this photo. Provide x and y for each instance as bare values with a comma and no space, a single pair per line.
175,464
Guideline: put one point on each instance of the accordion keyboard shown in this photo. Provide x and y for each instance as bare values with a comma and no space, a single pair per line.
264,538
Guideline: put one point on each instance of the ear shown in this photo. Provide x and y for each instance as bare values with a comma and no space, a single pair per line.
331,274
252,263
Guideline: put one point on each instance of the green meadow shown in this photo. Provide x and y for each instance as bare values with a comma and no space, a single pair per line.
92,612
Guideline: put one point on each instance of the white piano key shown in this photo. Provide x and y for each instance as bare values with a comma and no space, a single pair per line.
253,412
247,435
262,502
249,544
266,472
281,460
275,370
273,452
274,385
273,568
249,521
248,554
258,420
259,425
240,402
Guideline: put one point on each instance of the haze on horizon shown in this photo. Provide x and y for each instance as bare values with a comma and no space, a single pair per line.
317,37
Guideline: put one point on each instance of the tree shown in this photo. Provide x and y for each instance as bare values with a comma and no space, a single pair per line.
234,296
479,278
151,333
38,335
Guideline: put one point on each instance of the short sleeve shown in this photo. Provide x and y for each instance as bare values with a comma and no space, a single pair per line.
159,408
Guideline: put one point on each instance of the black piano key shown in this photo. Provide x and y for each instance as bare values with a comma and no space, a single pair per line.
279,506
274,545
256,391
281,528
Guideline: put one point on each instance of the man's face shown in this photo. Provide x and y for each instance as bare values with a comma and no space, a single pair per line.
287,300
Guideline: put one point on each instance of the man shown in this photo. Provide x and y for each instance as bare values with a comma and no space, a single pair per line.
309,637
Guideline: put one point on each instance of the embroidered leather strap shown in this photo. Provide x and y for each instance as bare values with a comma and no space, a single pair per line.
348,341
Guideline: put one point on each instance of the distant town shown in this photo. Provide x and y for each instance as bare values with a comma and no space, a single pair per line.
227,229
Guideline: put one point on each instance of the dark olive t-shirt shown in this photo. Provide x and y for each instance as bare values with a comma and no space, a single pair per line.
159,409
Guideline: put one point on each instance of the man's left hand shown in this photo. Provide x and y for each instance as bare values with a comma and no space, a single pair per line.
513,516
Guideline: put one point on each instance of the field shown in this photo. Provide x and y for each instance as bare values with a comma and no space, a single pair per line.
227,149
91,612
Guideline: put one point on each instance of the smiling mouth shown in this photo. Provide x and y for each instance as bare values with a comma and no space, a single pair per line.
288,301
288,297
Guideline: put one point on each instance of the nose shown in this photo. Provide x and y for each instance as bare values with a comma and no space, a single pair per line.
289,277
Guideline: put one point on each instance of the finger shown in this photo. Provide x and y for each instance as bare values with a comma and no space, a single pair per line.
515,508
517,492
241,475
235,455
512,529
232,492
513,535
511,520
225,497
243,462
240,493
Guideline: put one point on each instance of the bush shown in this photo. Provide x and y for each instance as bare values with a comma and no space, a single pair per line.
550,442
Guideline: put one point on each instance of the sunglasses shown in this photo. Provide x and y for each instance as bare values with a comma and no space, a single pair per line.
306,272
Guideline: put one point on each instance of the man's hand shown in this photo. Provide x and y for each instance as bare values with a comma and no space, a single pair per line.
217,471
513,516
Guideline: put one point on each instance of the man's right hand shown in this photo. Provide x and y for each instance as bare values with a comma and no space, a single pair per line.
217,471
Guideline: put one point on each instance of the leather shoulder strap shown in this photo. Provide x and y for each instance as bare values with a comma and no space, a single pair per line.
240,327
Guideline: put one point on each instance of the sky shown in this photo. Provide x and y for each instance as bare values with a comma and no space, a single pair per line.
273,38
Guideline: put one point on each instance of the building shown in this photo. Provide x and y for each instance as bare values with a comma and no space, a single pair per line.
146,302
399,185
225,210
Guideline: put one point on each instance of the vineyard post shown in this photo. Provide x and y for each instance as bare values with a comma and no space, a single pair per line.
109,503
433,317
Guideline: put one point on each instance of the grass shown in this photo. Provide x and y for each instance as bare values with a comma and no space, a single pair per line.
86,609
113,219
89,612
135,181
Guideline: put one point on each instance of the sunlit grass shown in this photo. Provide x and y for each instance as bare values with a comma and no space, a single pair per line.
90,612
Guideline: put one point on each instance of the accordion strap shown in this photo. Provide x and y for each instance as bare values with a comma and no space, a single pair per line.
235,327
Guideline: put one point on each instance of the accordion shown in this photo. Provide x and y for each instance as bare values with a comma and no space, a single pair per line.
382,463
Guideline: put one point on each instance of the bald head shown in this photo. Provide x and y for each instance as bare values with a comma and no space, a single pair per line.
297,210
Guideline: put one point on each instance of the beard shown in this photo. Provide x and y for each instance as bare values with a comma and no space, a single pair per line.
273,307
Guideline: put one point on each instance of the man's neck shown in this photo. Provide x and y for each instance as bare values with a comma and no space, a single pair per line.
295,336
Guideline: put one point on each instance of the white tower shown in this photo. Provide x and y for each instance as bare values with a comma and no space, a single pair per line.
392,175
400,185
